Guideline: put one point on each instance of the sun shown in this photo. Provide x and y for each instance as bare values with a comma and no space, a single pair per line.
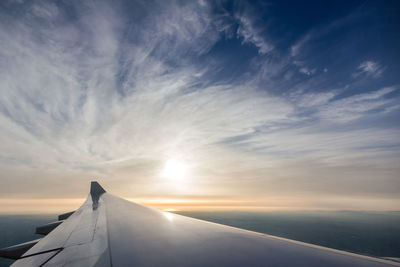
174,170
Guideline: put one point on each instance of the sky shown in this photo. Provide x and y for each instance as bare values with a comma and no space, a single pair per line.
266,105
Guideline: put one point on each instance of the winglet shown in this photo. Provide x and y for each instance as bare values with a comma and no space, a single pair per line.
96,191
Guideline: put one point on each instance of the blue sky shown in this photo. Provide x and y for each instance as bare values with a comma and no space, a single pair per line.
275,104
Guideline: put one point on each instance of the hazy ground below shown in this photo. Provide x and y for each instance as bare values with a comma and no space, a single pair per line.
369,233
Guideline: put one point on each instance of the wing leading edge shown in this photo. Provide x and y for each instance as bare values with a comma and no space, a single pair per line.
110,231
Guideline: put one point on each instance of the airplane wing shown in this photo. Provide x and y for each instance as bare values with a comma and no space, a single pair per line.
110,231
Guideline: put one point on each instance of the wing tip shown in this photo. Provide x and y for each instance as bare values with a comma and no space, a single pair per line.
96,190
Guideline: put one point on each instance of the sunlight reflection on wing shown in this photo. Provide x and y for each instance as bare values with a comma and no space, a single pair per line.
169,216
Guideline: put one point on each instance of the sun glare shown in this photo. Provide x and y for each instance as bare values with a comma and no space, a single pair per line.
169,216
174,170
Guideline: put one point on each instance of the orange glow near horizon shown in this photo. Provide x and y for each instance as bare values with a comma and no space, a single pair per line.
56,206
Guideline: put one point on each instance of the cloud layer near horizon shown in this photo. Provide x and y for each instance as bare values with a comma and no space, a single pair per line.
115,91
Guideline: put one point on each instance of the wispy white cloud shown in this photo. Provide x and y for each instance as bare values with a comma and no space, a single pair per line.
357,106
79,107
303,68
309,100
252,34
369,68
307,71
45,10
296,48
